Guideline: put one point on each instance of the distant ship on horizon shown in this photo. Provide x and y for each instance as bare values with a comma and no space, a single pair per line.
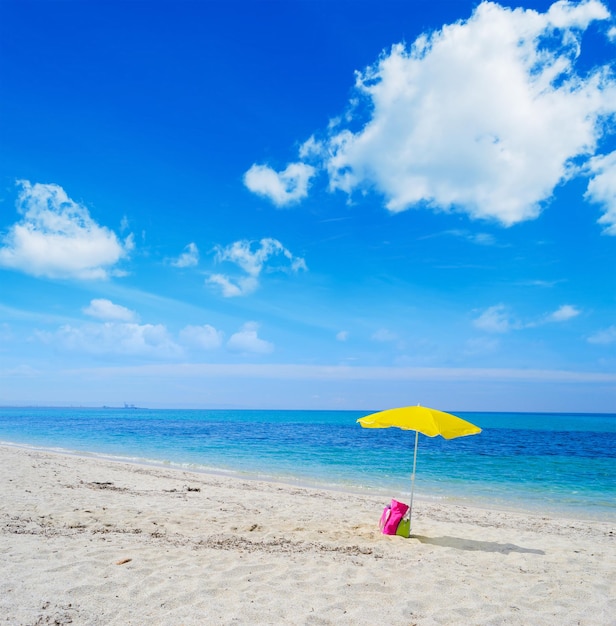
126,406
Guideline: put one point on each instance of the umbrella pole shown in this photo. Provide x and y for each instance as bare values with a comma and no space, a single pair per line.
413,477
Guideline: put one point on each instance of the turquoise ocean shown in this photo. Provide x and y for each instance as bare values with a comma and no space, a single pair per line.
558,464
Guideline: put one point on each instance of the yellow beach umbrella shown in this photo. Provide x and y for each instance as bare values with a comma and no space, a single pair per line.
421,419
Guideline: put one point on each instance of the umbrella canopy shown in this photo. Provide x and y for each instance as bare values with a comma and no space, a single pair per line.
423,420
427,421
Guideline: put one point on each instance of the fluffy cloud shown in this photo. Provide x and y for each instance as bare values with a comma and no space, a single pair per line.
188,258
282,188
106,310
563,313
205,337
112,338
120,335
252,259
57,238
231,287
602,189
471,117
246,340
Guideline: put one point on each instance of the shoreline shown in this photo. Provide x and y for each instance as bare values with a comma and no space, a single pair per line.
385,494
88,540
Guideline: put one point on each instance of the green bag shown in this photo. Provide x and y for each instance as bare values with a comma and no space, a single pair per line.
404,528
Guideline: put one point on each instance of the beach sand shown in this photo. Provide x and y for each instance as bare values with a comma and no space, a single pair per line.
90,541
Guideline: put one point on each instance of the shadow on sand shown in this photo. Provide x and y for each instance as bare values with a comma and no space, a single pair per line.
471,544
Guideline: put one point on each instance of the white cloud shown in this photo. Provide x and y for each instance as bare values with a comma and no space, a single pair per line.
188,258
247,341
499,319
111,338
252,260
343,335
604,337
311,149
470,118
282,188
205,337
495,319
232,287
602,189
106,310
563,313
57,238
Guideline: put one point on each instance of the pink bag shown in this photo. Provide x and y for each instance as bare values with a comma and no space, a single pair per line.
392,515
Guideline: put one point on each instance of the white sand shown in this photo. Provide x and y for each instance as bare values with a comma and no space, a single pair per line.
87,541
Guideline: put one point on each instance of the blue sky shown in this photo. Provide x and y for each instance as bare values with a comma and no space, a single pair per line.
308,204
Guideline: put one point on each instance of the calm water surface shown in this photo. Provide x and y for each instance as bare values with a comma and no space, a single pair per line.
554,463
